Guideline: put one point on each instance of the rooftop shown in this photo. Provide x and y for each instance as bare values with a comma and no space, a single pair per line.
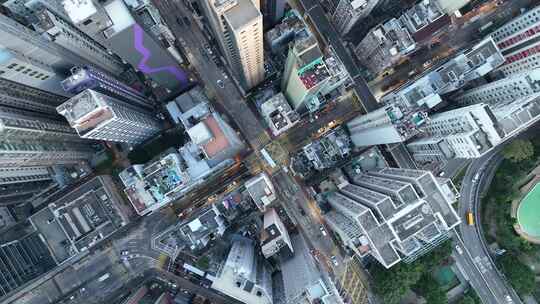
154,184
393,229
261,190
80,219
278,114
244,13
315,74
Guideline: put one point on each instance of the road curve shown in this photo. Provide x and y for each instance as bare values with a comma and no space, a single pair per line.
485,278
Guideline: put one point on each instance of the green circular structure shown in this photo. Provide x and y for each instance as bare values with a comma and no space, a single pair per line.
528,213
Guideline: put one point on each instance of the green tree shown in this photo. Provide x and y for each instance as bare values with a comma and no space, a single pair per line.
428,288
520,275
392,284
519,150
466,300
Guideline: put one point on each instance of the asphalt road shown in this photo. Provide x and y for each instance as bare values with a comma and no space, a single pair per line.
484,276
305,214
316,15
194,288
229,98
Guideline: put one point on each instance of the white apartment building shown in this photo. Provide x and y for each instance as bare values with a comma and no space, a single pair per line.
452,75
261,190
466,132
64,33
274,236
512,87
394,214
244,275
238,28
348,12
98,116
519,42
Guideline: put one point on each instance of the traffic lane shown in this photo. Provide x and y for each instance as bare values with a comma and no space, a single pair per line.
325,28
475,280
228,96
194,288
309,220
468,201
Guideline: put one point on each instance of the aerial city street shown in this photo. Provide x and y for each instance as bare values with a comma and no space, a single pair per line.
269,151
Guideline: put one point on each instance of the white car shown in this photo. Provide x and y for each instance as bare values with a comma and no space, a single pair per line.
459,250
220,83
334,260
323,231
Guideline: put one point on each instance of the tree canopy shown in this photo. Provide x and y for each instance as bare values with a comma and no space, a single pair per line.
520,275
392,284
518,150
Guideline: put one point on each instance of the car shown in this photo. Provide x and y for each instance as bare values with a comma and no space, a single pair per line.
220,83
323,231
124,252
459,250
224,74
334,260
508,299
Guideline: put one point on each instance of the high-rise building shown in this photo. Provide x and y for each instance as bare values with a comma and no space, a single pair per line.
238,27
519,43
16,95
349,12
29,138
80,217
26,9
272,11
274,236
64,33
305,72
261,190
390,124
424,20
98,116
407,106
83,78
23,260
45,152
113,25
36,53
510,88
18,184
394,214
466,132
29,72
385,45
244,275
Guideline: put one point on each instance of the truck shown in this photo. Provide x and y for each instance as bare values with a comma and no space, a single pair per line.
470,218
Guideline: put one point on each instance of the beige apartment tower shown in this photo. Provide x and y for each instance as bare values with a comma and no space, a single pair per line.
238,28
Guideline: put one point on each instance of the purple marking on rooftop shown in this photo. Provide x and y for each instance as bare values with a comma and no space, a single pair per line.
180,75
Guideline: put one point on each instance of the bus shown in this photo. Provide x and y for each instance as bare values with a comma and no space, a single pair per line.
470,218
